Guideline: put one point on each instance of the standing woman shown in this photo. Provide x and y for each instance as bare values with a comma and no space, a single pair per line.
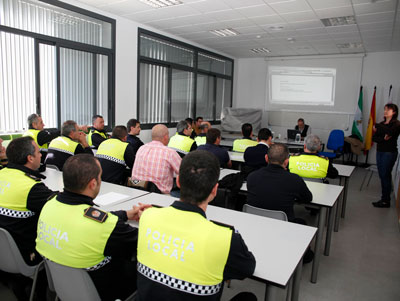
386,134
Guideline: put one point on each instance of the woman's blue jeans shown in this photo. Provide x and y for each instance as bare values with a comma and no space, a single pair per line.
385,162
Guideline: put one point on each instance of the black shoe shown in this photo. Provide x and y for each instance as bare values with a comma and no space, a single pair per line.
381,204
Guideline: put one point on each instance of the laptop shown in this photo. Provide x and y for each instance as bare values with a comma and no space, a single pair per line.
291,134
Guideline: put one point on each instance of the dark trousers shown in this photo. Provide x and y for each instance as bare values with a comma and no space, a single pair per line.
385,162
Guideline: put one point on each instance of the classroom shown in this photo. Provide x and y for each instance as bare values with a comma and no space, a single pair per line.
283,61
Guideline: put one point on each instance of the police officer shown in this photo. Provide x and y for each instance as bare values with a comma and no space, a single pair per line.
201,138
71,142
73,233
181,141
309,164
115,154
133,127
97,133
240,145
181,254
22,195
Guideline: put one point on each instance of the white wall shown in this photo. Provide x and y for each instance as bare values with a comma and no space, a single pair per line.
381,69
126,65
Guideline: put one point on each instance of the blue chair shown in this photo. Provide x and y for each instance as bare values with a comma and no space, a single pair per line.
335,143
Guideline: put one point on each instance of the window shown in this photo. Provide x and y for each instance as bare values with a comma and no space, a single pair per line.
55,60
177,80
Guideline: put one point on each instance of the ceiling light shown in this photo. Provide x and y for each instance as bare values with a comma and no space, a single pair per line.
258,37
291,40
349,45
339,21
161,3
260,50
228,32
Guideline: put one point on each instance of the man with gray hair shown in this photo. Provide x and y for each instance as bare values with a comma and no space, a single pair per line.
181,141
71,142
309,164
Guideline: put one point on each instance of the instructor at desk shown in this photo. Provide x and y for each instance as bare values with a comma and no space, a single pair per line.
386,134
303,128
181,254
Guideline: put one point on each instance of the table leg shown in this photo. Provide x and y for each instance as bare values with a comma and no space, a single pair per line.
296,281
346,186
271,292
332,214
339,208
318,244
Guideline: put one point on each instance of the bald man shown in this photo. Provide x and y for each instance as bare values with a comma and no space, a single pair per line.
155,162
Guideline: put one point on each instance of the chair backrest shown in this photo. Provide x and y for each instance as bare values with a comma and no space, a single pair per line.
11,260
52,166
280,215
335,140
71,284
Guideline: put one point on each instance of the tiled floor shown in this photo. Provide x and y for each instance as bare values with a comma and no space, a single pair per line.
364,263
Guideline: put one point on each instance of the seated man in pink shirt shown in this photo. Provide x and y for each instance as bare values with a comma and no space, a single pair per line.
155,162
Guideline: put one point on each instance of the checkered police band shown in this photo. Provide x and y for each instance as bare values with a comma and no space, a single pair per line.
181,285
16,213
99,265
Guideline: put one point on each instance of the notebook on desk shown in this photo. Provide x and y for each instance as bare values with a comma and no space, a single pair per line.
291,134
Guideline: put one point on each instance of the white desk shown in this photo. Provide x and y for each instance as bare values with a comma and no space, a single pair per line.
324,197
226,171
289,142
55,182
227,143
345,172
277,246
235,156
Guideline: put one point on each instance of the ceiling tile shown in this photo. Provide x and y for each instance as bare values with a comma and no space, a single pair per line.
316,37
378,17
206,6
290,6
318,4
256,11
223,15
243,3
307,24
344,28
275,19
334,12
374,7
238,23
311,31
250,30
375,33
299,17
125,7
376,25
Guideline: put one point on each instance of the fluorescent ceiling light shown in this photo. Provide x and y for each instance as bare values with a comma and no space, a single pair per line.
339,21
349,45
260,50
161,3
276,27
228,32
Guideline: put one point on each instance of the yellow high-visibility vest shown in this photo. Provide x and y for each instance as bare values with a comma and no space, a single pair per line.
240,145
308,166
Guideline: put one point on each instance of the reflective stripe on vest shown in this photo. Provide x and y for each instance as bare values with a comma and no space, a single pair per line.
93,131
240,145
67,237
64,144
34,133
15,186
200,140
174,244
113,150
309,166
181,143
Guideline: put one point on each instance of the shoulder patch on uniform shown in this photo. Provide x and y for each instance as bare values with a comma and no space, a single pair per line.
52,195
95,214
33,177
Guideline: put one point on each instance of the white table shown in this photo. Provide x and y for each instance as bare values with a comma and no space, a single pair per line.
289,142
324,197
236,156
227,143
345,172
277,246
226,171
55,182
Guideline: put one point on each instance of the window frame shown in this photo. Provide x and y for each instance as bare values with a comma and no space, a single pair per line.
171,65
68,44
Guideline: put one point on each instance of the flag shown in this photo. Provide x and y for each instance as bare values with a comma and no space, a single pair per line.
358,117
371,123
390,99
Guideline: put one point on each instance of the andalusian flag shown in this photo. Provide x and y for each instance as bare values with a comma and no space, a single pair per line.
390,99
358,117
371,123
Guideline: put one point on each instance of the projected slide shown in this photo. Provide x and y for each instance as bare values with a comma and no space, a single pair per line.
301,86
